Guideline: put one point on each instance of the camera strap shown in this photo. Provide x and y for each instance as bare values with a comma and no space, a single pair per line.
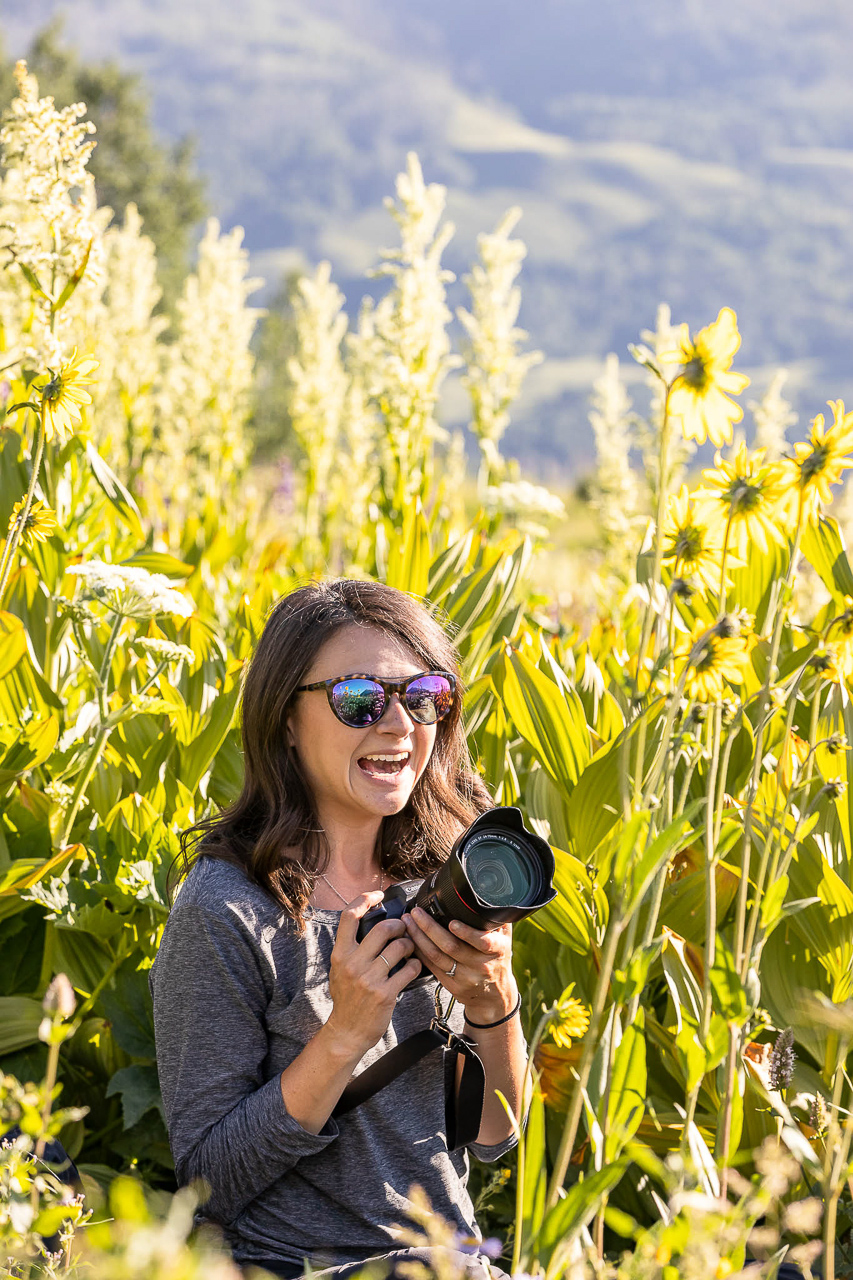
463,1111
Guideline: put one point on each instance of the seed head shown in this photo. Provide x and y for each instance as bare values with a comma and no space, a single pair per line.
817,1113
782,1060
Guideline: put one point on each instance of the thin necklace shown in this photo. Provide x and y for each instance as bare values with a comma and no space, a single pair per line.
340,895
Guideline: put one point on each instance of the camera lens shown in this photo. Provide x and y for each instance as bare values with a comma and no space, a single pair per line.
500,871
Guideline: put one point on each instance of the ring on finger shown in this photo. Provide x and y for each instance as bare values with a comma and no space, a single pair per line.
450,972
381,957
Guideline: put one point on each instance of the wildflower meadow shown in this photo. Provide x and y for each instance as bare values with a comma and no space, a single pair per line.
677,729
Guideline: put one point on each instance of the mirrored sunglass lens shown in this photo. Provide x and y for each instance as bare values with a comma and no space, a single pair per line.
358,702
429,698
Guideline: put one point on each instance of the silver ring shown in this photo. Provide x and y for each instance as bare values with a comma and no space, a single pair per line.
381,957
450,972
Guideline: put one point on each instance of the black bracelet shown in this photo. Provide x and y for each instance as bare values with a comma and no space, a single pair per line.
484,1026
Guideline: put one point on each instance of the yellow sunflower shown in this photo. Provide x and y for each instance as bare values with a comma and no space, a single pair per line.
749,494
700,391
820,461
693,545
570,1020
711,659
39,524
62,397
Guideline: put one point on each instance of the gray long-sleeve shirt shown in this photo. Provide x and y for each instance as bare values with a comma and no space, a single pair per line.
238,993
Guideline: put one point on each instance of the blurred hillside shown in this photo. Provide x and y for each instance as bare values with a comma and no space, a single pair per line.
669,151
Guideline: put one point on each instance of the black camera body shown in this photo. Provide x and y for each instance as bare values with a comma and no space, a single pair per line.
497,871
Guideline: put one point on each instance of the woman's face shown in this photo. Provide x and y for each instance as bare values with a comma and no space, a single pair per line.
346,784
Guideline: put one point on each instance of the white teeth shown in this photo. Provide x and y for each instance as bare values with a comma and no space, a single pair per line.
394,759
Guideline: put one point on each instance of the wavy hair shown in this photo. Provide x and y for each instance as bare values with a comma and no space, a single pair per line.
272,830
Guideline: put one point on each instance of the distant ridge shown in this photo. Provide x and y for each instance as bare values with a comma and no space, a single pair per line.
660,152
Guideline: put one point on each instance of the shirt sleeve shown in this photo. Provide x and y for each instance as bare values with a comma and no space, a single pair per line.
489,1154
227,1124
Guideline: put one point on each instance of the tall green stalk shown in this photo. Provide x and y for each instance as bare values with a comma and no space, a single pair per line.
21,520
97,747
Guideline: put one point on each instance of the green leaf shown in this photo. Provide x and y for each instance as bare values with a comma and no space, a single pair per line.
823,547
691,1054
160,562
752,584
552,723
13,642
33,280
139,1089
409,556
128,1009
727,991
33,747
73,280
771,903
20,1019
197,757
568,918
627,1088
535,1183
121,498
576,1209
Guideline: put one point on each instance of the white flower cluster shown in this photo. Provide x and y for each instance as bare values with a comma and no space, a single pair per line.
402,349
125,332
164,650
131,591
617,494
319,384
496,368
772,416
521,498
664,342
52,227
204,398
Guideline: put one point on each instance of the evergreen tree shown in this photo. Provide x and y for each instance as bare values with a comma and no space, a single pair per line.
130,162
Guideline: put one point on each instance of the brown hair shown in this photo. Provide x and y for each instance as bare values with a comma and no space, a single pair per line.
272,830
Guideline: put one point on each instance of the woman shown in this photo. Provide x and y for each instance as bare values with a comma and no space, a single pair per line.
265,1003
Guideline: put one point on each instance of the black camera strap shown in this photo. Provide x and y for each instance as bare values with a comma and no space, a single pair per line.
463,1106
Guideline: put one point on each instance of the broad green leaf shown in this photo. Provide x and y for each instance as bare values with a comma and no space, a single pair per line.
127,1005
139,1089
535,1183
34,746
449,567
409,555
20,1019
727,991
752,584
551,722
823,546
578,1207
569,917
196,758
627,1088
121,498
13,642
161,562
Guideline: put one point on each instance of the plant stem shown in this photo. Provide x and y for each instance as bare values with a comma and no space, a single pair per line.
570,1128
22,517
765,712
655,579
101,736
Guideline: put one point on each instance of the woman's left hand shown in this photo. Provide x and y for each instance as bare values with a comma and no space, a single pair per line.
482,978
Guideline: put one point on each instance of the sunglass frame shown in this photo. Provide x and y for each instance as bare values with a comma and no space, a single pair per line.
389,688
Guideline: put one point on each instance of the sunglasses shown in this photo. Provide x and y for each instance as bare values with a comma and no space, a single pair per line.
359,701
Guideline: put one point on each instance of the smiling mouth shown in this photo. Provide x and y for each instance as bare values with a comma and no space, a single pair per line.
384,765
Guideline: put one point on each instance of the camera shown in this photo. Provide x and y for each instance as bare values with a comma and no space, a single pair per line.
497,871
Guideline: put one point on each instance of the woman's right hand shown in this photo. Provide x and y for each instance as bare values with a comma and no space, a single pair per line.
360,983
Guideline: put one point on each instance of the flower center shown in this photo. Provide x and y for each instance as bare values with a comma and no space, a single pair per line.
813,464
687,546
743,496
695,373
